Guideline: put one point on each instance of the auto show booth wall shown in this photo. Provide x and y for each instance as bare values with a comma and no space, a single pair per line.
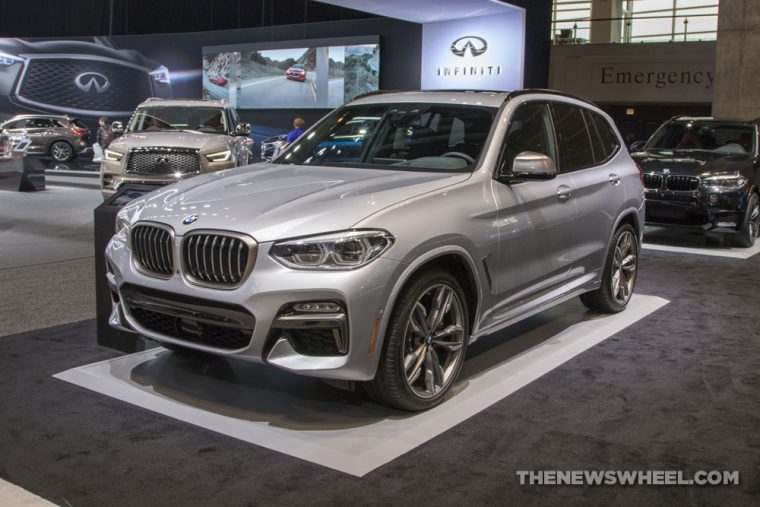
173,62
639,85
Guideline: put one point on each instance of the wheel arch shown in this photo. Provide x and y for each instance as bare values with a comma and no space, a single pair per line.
455,259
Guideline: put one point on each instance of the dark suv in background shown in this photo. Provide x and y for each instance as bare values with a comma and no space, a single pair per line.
703,173
61,137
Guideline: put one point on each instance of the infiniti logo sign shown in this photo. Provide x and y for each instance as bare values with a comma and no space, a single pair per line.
89,81
476,46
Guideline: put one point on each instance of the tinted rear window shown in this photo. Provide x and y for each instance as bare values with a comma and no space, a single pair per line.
604,142
573,140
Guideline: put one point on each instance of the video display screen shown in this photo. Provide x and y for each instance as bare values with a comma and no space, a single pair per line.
316,74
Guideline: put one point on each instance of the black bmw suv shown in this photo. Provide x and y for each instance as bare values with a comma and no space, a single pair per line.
703,173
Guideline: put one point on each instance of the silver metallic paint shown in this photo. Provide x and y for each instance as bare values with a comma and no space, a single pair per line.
539,249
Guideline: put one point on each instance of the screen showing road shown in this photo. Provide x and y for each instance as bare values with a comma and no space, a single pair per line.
322,75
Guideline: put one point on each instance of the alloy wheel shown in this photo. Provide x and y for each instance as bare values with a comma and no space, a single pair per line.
624,268
61,151
434,341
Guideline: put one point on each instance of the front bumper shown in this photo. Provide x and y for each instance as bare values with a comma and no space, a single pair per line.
113,175
259,303
715,211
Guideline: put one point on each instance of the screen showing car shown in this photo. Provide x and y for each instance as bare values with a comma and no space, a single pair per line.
317,74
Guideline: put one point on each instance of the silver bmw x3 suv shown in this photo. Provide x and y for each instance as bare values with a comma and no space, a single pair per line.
379,256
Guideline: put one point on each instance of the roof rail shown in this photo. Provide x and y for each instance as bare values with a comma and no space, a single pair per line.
467,91
528,91
376,92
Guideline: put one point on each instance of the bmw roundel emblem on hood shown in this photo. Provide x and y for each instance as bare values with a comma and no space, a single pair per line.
189,219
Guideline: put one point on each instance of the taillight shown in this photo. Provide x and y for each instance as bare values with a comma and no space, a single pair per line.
78,132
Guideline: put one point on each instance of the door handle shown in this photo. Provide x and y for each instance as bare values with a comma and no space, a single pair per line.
614,179
564,193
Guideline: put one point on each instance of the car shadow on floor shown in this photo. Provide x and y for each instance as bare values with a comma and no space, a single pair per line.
261,393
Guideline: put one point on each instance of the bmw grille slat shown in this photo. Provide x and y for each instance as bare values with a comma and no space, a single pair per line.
152,249
217,259
158,161
653,181
682,183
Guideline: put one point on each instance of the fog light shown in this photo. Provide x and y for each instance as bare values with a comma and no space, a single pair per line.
317,307
712,199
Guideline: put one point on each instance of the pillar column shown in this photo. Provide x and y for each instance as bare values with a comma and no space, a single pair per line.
737,68
604,32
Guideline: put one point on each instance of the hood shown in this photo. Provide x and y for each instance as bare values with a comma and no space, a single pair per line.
691,162
170,139
272,201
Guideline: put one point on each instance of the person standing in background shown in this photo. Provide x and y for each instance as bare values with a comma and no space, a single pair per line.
298,124
104,135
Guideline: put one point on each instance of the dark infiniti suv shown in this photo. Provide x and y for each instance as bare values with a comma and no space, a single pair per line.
61,137
703,173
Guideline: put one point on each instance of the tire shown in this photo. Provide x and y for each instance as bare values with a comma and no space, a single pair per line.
622,262
402,380
61,151
745,237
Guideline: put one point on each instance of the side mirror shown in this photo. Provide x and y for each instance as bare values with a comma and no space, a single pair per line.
242,129
117,128
637,146
529,165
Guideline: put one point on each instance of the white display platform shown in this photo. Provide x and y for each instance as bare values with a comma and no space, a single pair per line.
304,418
692,242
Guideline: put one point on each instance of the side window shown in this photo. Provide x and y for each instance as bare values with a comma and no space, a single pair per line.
18,124
530,129
603,139
39,123
573,140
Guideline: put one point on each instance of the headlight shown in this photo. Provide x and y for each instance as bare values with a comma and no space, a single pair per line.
344,250
121,224
114,156
7,59
161,75
219,156
735,181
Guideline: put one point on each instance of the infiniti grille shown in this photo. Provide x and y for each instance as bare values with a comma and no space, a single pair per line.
153,250
163,161
51,81
217,258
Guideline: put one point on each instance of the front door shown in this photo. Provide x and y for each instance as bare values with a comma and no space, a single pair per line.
536,219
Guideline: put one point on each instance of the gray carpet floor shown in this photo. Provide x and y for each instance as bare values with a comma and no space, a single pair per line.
47,272
677,390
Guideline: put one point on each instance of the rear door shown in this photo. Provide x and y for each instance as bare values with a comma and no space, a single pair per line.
600,194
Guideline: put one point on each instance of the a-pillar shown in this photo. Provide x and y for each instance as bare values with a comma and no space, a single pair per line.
737,68
608,29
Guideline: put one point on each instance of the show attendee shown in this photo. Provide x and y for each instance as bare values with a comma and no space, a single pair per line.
298,124
103,138
104,135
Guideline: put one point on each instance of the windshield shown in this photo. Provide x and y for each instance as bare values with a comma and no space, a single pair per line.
437,137
201,119
705,136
